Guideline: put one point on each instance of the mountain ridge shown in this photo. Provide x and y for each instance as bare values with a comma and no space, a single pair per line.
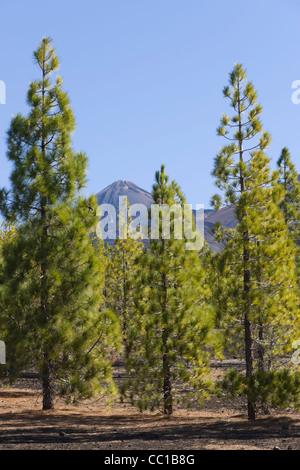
137,195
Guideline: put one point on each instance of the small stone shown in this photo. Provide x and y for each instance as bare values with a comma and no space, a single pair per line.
276,448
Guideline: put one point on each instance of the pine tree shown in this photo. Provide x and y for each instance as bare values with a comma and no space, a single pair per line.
52,275
258,257
120,274
290,204
169,334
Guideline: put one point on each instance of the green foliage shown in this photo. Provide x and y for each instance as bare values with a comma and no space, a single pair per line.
290,205
120,276
279,389
52,271
171,335
259,309
7,233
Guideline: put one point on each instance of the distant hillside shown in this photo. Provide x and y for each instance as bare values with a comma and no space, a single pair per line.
227,220
137,195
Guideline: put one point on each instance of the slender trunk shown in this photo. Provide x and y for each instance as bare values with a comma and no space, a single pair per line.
48,385
47,373
168,399
248,341
247,278
260,348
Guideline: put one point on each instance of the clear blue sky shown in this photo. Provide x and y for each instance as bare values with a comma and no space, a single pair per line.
145,78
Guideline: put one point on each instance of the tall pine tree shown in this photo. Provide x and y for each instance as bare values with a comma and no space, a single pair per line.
170,332
259,302
52,274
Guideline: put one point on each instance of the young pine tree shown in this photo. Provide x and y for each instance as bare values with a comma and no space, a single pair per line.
260,298
120,274
52,272
290,204
170,332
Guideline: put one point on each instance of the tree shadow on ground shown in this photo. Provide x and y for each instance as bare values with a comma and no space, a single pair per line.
34,427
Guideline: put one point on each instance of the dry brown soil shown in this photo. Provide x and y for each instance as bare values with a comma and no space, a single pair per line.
217,425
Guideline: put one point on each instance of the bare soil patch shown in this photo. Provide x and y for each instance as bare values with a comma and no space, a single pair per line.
217,425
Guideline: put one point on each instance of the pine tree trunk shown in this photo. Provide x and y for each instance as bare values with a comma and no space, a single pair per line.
261,349
249,365
248,335
47,379
168,405
48,385
247,278
247,328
